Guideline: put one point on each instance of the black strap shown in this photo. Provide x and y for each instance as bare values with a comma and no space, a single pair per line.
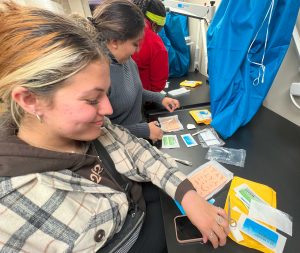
104,156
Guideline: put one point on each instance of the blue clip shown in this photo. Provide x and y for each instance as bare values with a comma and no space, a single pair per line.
212,201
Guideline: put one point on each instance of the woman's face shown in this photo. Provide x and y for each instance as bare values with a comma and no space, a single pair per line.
78,109
122,50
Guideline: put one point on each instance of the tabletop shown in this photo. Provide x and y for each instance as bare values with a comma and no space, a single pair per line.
272,146
198,96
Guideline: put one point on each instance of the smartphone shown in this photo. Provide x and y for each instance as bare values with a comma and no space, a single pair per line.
185,231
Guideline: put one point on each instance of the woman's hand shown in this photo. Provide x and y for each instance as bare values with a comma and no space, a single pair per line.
210,220
155,131
170,104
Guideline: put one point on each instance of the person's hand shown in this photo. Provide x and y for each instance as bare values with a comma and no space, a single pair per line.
155,131
210,220
170,104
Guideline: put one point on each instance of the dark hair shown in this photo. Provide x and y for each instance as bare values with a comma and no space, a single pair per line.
154,6
118,20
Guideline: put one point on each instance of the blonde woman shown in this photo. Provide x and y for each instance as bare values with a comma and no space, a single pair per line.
61,159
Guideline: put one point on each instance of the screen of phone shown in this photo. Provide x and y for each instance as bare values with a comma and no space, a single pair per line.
185,229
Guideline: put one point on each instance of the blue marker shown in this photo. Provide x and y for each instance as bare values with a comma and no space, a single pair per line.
211,201
180,207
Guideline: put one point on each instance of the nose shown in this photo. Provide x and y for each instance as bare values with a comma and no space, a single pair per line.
105,108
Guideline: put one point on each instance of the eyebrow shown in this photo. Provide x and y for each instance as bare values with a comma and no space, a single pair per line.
93,90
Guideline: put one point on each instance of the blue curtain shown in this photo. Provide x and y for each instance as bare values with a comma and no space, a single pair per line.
246,41
173,33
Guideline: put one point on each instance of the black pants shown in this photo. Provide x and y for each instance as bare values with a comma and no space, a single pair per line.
152,236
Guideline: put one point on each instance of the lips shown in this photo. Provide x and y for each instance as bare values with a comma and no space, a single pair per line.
99,123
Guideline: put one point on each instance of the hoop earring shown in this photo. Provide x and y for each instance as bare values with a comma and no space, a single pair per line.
39,118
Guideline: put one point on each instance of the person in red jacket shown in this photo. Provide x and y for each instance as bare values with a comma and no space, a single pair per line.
152,58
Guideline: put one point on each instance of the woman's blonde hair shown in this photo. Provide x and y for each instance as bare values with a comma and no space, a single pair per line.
39,50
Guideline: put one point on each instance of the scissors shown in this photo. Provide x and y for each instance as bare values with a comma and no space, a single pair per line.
231,221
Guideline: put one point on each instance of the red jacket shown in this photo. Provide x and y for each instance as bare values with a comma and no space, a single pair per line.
152,60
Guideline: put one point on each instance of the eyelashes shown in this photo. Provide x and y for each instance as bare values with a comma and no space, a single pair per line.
92,102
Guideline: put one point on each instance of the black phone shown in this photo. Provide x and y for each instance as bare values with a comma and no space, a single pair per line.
185,231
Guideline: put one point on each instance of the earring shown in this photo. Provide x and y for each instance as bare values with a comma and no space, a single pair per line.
39,118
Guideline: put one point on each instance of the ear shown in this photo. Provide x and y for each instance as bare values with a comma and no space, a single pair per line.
153,27
113,44
26,99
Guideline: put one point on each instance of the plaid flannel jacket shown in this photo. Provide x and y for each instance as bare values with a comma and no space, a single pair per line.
59,211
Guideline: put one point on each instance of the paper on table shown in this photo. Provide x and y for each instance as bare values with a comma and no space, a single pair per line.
170,141
271,216
188,140
262,234
209,138
178,92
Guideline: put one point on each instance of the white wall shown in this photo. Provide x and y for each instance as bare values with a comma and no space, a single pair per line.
61,6
46,4
278,98
196,35
80,6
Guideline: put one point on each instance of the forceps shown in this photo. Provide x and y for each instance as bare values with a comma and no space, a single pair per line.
231,221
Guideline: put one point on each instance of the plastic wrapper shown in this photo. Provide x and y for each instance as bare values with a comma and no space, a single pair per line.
208,137
227,155
170,123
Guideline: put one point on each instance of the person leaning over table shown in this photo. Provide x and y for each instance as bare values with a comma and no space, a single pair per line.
121,24
152,57
57,194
